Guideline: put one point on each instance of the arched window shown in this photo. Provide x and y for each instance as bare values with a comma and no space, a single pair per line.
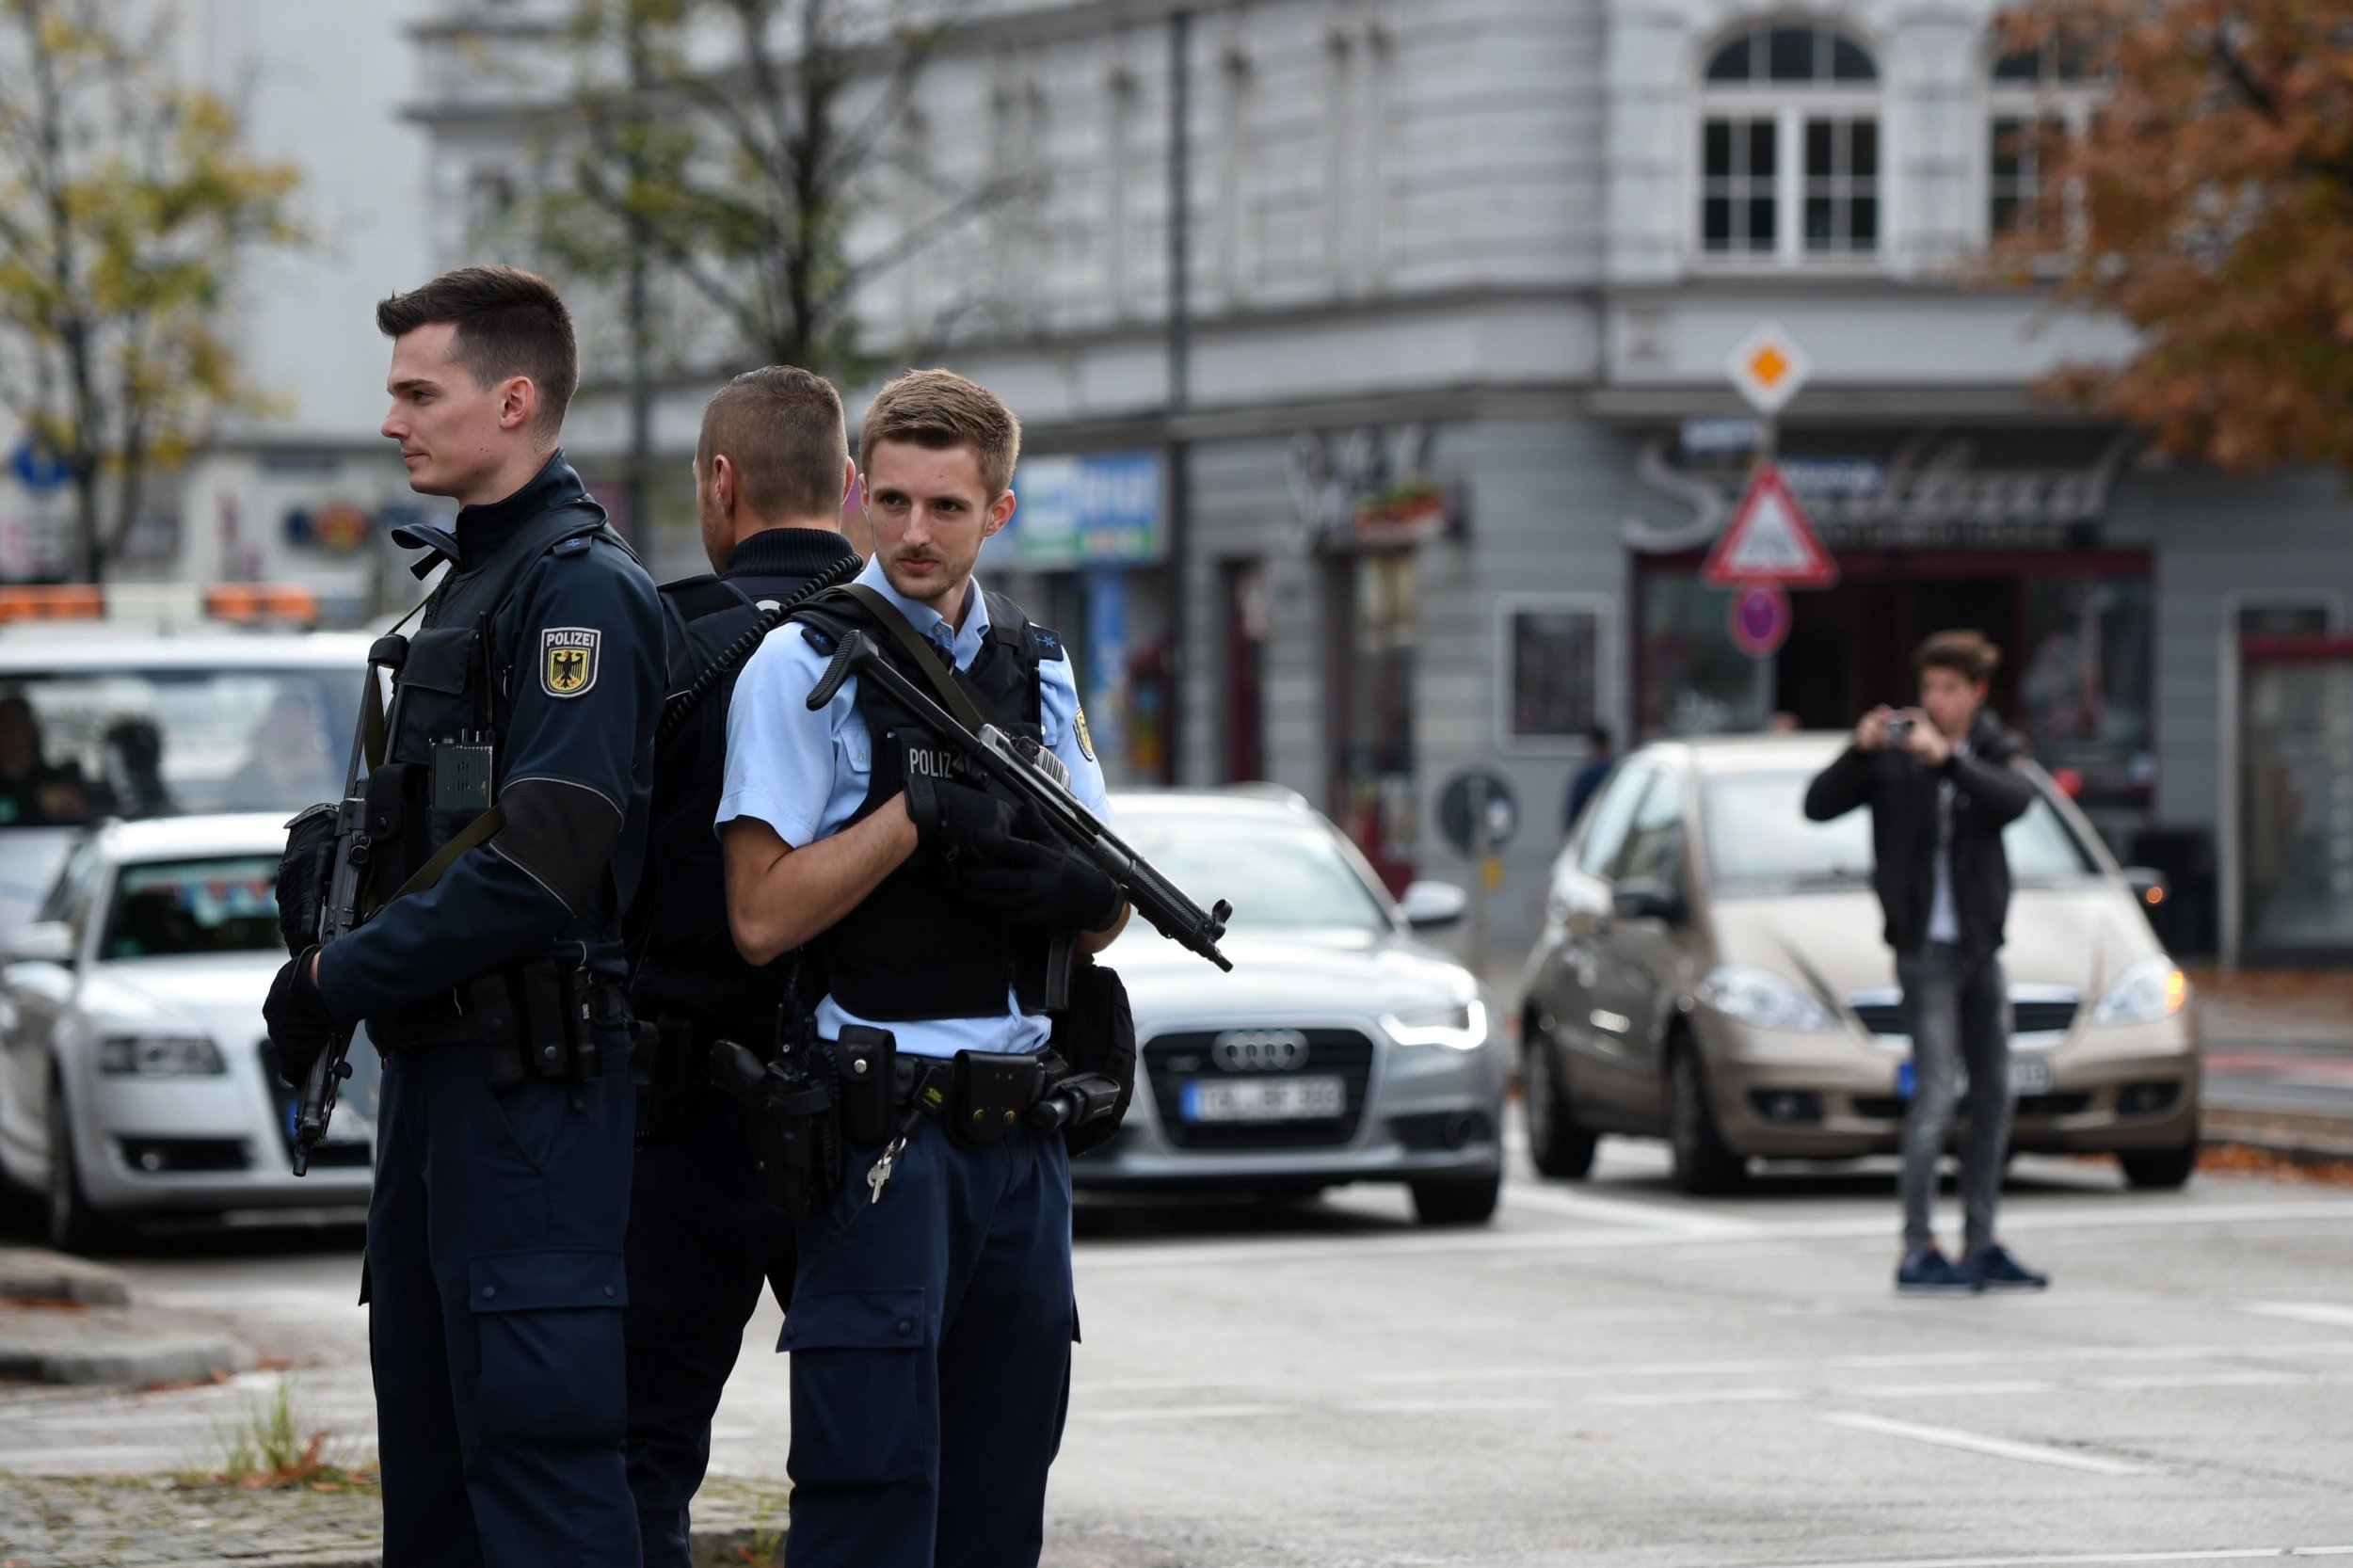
2039,98
1789,147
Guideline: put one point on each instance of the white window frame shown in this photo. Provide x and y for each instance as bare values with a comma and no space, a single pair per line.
1789,105
1604,611
2071,101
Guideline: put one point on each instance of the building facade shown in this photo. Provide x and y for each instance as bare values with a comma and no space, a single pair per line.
1420,480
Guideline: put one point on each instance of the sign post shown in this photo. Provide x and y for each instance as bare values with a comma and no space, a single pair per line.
1768,544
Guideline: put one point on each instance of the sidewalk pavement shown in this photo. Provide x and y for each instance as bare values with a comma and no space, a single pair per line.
2279,1058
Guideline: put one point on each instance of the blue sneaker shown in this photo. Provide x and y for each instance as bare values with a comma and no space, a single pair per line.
1926,1272
2001,1272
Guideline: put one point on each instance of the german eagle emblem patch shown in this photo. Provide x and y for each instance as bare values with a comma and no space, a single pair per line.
568,658
1086,741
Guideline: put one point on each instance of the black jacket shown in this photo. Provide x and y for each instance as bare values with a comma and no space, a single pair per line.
1902,793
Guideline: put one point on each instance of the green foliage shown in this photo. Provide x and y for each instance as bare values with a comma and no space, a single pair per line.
125,201
266,1448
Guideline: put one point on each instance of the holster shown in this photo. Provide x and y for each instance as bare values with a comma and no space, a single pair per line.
795,1124
1096,1035
536,1020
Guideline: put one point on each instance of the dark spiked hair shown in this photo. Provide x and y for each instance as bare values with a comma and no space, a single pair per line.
509,323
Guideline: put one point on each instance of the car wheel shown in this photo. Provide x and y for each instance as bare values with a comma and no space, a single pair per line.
2159,1170
1455,1201
1702,1163
74,1225
1558,1146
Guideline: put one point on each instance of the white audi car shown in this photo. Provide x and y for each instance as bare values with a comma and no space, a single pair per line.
1339,1049
136,1078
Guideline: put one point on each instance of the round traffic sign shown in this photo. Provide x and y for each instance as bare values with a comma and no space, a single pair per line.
1760,620
1477,812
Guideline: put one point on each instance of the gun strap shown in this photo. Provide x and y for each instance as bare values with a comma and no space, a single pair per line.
917,648
472,835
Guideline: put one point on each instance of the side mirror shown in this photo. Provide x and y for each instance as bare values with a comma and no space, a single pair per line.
1431,905
2148,884
43,942
1647,901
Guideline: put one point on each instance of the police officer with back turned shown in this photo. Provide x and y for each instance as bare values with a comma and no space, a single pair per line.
932,1314
506,822
771,472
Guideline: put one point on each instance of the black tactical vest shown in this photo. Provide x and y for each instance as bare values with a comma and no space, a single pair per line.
915,950
681,952
456,688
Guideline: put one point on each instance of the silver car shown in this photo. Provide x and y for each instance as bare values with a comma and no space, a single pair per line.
1339,1048
134,1075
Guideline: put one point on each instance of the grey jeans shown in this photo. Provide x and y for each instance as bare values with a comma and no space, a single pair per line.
1959,1014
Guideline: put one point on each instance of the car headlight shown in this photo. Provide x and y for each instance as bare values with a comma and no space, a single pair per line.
2149,990
1462,1027
1763,1000
158,1056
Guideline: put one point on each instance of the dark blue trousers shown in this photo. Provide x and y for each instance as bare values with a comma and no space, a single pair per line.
700,1241
496,1287
930,1335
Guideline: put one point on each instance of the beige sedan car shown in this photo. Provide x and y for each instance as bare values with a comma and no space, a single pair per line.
1711,971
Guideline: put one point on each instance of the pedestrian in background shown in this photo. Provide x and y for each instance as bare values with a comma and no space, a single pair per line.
771,468
508,822
1942,780
1599,759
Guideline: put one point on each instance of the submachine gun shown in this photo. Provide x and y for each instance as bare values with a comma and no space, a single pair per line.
1035,777
340,911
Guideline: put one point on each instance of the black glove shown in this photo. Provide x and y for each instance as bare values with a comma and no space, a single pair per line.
1042,886
954,821
299,1024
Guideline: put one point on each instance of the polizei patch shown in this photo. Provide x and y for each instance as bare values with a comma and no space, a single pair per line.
569,656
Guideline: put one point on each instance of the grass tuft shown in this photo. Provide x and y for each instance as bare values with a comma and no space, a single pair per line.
266,1448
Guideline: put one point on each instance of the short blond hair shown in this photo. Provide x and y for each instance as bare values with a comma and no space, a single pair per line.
939,409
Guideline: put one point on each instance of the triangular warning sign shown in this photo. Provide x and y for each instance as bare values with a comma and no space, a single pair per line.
1768,540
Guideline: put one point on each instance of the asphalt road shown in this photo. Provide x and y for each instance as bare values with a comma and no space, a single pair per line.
1608,1374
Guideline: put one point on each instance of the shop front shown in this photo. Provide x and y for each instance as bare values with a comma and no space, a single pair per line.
1086,554
2004,532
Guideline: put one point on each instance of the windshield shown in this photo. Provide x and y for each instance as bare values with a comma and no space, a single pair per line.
1757,832
168,909
1277,875
127,744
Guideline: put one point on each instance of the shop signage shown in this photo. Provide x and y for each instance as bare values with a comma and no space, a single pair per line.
1768,368
1371,489
1770,541
338,526
1934,493
1759,620
1101,509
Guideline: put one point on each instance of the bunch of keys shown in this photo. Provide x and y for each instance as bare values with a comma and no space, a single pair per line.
928,1099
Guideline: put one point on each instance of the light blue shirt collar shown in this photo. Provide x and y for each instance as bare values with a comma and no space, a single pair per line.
964,645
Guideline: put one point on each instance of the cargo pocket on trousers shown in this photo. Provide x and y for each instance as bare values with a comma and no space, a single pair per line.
860,1417
548,1325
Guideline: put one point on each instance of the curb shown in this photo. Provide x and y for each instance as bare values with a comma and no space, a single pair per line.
2295,1136
120,1360
49,1279
719,1548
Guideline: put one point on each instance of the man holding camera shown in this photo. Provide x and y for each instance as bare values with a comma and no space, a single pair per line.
1942,780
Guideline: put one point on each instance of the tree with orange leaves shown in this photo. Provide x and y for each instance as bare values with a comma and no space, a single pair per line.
2210,204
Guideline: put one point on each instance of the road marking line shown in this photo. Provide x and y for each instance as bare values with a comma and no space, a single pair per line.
1187,1412
1442,1407
2327,1314
2117,1213
2226,1554
1996,1447
1621,1212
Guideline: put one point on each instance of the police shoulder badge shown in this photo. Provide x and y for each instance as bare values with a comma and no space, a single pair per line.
1086,741
568,658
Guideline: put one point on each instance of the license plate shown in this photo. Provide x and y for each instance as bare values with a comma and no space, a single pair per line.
2028,1075
1274,1099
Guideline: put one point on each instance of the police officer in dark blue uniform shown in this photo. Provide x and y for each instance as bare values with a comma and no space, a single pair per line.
931,1316
507,823
771,472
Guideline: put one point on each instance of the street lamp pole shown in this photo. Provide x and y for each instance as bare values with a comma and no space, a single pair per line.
1179,378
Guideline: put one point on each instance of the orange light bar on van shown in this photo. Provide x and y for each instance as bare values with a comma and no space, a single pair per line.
52,602
256,602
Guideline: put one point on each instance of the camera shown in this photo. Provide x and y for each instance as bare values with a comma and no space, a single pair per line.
1899,729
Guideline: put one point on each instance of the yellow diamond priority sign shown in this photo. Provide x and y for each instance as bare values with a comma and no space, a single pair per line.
1769,367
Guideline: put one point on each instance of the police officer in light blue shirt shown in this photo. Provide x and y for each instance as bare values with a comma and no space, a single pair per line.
933,1314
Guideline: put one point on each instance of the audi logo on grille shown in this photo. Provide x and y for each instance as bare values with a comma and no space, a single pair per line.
1260,1051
